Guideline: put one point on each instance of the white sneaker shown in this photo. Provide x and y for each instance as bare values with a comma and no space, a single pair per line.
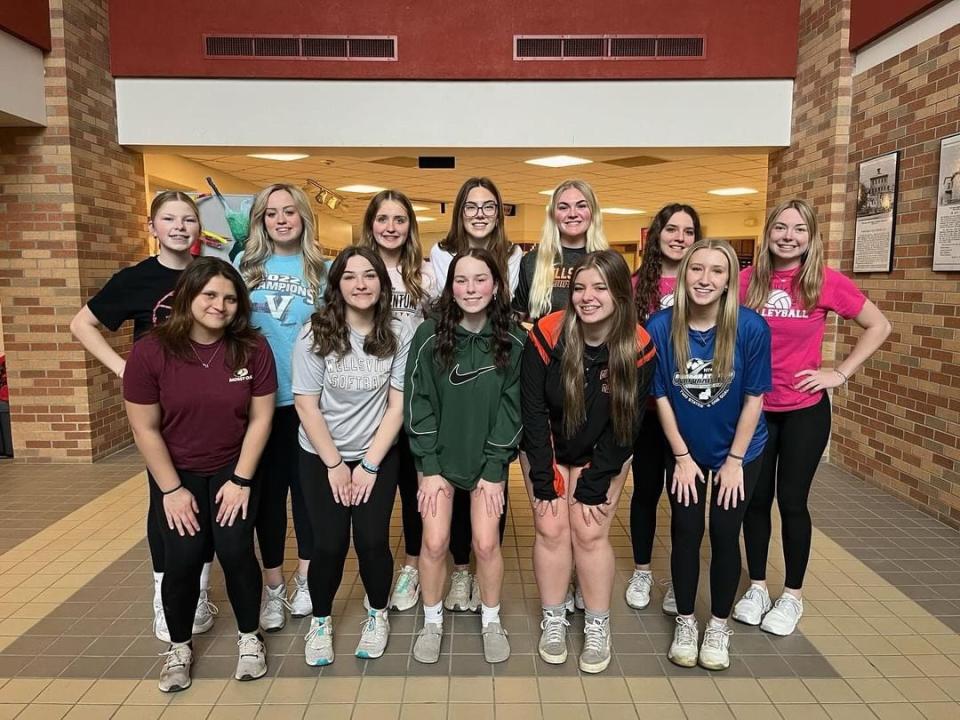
175,673
683,649
669,605
273,615
715,650
300,603
252,663
553,638
783,618
160,621
203,617
406,593
374,635
475,597
318,649
595,656
754,604
638,589
461,589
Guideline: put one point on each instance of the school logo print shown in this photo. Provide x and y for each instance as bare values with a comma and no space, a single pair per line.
698,385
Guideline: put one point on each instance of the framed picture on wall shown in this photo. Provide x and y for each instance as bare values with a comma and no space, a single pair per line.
876,213
946,236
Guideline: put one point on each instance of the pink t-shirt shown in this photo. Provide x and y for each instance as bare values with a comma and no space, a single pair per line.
797,334
664,288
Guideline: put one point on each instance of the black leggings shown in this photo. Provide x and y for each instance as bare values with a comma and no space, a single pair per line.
686,531
371,533
796,442
279,469
155,526
407,485
185,556
649,464
461,526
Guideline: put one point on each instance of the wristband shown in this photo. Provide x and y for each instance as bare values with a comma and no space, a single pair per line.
683,454
735,457
844,377
336,465
171,492
368,467
242,482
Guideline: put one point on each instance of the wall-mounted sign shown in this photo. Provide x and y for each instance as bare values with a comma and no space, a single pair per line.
876,214
946,236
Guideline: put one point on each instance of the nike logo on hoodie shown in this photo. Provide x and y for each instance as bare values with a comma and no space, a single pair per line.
458,378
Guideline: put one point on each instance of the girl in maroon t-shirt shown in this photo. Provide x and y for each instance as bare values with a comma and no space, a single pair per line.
199,394
793,290
674,229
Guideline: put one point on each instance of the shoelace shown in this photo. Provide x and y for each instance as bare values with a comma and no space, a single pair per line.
555,627
460,581
688,632
406,577
667,586
208,606
316,632
642,577
276,600
594,636
249,646
177,656
789,604
755,593
714,637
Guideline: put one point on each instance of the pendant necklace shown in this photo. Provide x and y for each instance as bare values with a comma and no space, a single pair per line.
206,364
700,336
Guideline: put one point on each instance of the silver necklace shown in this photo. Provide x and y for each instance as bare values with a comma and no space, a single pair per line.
206,364
700,336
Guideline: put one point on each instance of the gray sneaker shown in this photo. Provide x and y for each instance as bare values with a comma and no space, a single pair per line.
374,635
669,599
206,612
175,674
595,656
553,638
427,647
496,647
461,588
318,645
252,663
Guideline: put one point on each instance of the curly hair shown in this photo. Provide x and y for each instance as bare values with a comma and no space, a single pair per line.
448,314
331,334
647,293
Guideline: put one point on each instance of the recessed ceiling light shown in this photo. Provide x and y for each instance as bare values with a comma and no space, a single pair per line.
419,208
622,211
362,189
282,157
558,161
728,192
425,218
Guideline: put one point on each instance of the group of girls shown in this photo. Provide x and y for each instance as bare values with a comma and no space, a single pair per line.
344,382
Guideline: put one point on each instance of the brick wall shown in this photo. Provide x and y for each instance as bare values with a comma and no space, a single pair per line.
71,209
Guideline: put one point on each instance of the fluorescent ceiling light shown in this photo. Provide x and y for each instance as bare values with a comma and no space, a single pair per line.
546,192
424,218
419,208
362,189
282,157
728,192
558,161
622,211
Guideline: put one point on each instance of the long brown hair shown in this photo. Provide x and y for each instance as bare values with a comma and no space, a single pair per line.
651,267
411,255
726,332
621,346
239,337
331,334
457,240
448,314
808,283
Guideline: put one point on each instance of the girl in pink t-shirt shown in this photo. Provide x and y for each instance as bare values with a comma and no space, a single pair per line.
792,288
674,229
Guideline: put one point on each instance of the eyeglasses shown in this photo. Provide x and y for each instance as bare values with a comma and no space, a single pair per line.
489,209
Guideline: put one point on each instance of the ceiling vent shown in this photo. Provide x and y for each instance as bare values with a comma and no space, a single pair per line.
608,47
303,47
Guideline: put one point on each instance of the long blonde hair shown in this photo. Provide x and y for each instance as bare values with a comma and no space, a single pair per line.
621,346
550,250
726,332
808,283
259,246
411,255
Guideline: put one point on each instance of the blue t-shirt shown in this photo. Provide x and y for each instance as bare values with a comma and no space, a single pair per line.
281,304
707,411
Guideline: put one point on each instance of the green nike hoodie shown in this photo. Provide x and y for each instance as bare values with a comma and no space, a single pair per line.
463,421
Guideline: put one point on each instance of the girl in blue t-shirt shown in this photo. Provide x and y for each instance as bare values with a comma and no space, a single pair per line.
286,275
713,370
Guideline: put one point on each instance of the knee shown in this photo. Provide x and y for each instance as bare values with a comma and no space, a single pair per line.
486,548
588,539
435,545
552,534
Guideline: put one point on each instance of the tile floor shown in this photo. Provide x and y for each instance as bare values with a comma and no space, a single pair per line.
879,638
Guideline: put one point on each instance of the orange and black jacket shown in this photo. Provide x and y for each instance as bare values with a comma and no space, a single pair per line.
594,444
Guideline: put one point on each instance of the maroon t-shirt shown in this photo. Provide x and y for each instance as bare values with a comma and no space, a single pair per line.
204,411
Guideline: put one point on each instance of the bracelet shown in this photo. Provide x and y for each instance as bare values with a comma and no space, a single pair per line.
841,375
368,467
171,492
241,481
683,454
735,457
331,467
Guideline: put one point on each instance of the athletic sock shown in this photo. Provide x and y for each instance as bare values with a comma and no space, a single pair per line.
489,614
433,614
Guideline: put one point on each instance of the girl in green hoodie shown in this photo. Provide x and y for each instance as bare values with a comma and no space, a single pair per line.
462,415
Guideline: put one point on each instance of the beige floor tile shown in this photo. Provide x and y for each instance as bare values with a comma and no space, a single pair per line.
103,712
872,645
949,644
651,690
10,710
661,711
329,711
924,625
802,711
145,693
565,711
108,692
939,711
892,666
843,711
853,666
278,712
140,712
520,711
297,691
64,691
514,690
896,711
707,711
786,690
951,686
560,689
935,665
833,645
233,712
876,690
338,690
606,690
22,690
203,691
613,711
471,689
243,693
755,711
696,690
48,711
830,690
919,690
741,690
423,711
852,626
380,690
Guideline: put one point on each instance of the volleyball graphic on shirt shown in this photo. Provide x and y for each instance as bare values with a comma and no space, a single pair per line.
163,308
779,300
666,301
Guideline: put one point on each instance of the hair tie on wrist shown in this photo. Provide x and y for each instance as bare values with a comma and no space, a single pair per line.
336,465
241,481
369,467
170,492
735,457
684,454
844,377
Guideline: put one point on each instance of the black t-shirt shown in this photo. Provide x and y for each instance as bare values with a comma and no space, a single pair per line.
561,280
142,293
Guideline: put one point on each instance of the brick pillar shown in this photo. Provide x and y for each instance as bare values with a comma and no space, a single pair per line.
72,212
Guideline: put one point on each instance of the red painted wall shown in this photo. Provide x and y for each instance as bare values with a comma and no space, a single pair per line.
28,20
869,19
439,39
